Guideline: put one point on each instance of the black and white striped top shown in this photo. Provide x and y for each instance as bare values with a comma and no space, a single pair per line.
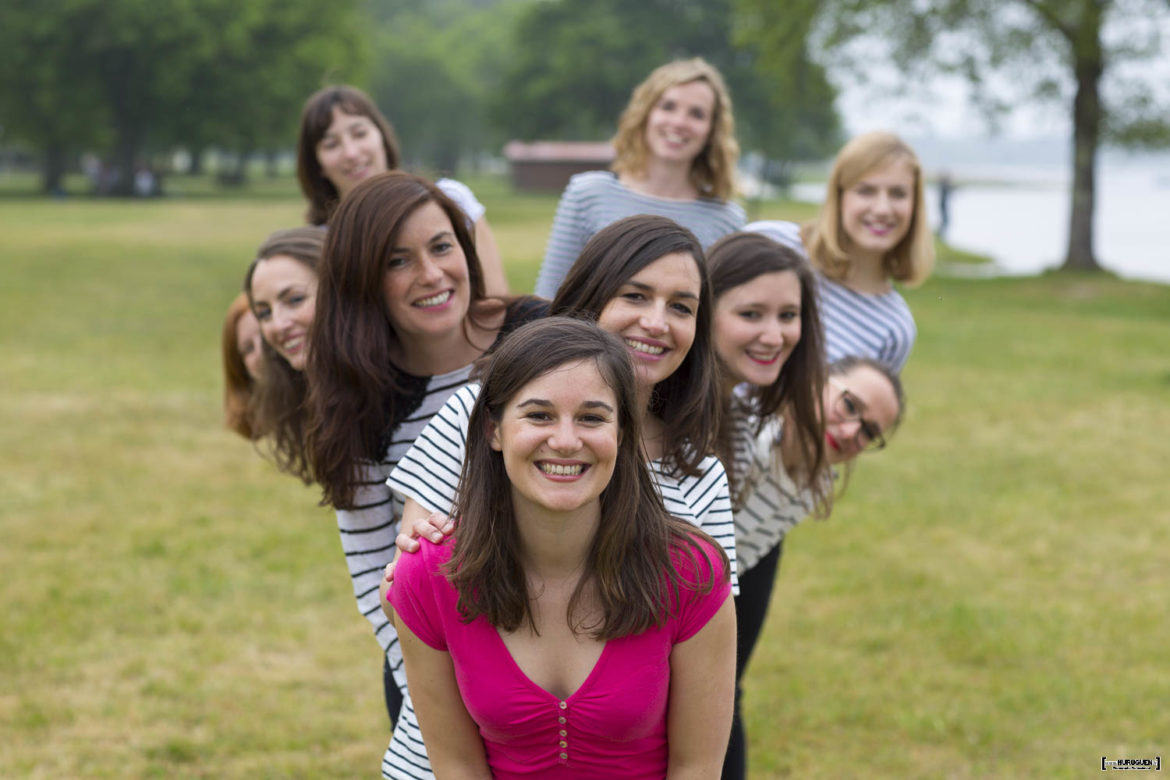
770,502
595,199
873,325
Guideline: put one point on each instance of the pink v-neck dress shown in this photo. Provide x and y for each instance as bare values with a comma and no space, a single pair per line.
613,726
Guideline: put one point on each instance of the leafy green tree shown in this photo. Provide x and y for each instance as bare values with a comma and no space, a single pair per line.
133,76
48,97
1087,54
437,64
577,62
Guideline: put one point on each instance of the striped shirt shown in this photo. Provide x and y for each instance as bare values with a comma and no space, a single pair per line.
595,199
873,325
770,503
368,531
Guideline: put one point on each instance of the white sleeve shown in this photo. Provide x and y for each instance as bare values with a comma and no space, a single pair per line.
464,198
429,471
568,237
786,233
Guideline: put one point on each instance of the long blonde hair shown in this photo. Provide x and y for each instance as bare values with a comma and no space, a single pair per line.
911,261
713,170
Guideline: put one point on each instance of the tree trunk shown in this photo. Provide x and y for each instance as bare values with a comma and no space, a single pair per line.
127,145
198,158
54,170
1086,137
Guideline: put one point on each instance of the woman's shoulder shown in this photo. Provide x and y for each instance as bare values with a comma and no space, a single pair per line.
591,181
730,209
698,559
428,559
780,231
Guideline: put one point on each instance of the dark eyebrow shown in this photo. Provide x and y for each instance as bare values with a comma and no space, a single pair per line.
647,288
585,404
287,291
435,237
856,399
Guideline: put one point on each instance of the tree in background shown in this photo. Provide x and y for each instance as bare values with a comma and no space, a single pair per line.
576,63
48,96
1083,53
438,63
132,77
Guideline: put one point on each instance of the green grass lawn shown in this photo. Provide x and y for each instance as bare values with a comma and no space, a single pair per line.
989,599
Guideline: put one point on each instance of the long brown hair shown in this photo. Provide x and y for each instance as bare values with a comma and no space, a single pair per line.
353,380
237,382
316,117
630,559
735,260
278,405
687,400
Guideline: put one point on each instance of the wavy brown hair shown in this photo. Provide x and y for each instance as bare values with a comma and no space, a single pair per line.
316,117
354,384
238,384
631,559
797,394
687,400
713,170
911,261
278,405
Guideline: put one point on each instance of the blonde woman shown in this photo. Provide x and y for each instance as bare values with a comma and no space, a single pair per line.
870,233
676,156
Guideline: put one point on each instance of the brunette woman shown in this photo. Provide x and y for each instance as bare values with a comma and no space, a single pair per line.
643,279
401,315
281,285
345,139
572,628
676,157
871,232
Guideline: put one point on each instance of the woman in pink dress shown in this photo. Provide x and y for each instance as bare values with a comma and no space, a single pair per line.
570,628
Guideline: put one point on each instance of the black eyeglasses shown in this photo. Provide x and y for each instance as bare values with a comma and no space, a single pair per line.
849,407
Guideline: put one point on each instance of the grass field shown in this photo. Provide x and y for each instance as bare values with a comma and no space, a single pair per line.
989,599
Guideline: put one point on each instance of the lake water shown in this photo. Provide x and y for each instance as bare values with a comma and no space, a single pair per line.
1022,222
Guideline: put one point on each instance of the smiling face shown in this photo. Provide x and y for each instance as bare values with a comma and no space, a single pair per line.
877,210
284,297
351,150
679,125
559,439
654,313
757,325
426,286
855,401
248,342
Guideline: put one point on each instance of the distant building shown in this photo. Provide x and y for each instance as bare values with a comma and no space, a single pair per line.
547,165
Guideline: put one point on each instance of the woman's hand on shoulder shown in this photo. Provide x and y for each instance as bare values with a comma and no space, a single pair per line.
434,526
